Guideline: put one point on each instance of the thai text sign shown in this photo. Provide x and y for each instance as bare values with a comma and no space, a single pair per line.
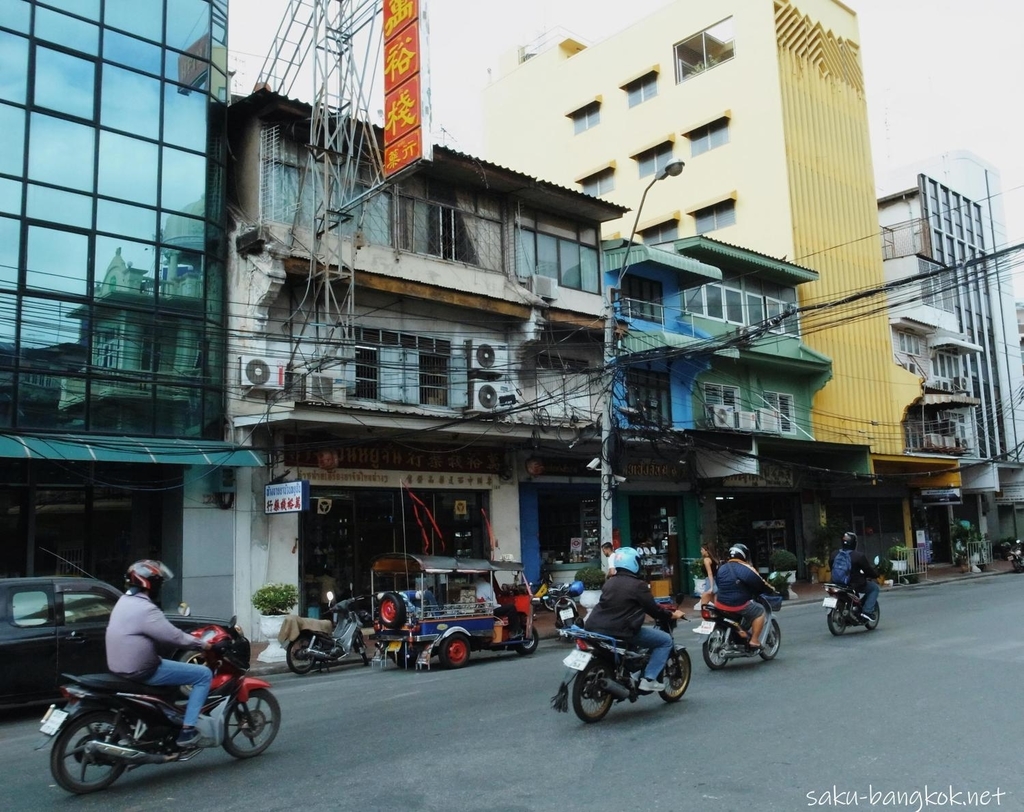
286,497
404,86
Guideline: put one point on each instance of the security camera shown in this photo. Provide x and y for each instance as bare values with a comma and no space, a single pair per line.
594,464
618,479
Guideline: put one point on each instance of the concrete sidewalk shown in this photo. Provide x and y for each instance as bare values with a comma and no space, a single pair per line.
804,592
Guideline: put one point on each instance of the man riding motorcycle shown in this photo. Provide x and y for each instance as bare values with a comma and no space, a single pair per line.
137,633
625,599
738,584
863,576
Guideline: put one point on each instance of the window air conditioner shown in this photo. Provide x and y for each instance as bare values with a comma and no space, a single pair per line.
261,373
746,421
545,287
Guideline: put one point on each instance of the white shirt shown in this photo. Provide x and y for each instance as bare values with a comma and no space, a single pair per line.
485,592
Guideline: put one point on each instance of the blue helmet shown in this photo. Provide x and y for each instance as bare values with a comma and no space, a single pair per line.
627,558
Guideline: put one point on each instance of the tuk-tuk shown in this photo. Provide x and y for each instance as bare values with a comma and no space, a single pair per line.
427,604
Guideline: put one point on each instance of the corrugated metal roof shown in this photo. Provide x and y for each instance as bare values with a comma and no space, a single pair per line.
769,267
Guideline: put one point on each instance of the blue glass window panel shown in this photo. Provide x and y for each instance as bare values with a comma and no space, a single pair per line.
113,254
76,35
57,260
131,102
83,8
15,14
13,67
183,185
8,320
59,206
185,117
48,323
61,152
187,21
130,221
128,168
142,17
188,69
132,52
10,245
10,196
179,411
64,83
12,125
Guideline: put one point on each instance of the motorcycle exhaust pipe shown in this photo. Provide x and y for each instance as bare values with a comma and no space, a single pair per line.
612,687
127,754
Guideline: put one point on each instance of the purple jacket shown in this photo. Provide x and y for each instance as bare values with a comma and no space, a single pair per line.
137,633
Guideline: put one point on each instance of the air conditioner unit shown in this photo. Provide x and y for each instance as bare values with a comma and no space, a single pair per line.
933,441
261,373
491,396
944,384
488,362
746,421
324,389
545,287
962,383
768,421
723,417
949,442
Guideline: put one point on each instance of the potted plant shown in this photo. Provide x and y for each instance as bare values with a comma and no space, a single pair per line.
593,579
814,566
273,602
898,558
784,561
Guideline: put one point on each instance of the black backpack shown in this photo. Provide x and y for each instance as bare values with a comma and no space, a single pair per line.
841,568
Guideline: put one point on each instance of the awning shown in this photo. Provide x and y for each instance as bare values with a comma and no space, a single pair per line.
939,399
692,272
937,342
97,448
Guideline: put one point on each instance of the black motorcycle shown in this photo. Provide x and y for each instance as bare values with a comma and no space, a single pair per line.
728,634
844,609
604,670
320,649
1016,557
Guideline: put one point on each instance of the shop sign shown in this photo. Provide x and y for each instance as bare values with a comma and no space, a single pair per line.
390,457
286,497
654,469
940,496
395,479
405,133
1010,494
771,476
770,524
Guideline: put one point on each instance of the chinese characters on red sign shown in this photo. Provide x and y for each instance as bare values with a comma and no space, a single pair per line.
403,100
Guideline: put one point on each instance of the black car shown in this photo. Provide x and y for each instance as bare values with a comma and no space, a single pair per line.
56,625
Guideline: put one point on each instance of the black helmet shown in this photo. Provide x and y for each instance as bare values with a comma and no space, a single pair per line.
739,551
148,575
849,540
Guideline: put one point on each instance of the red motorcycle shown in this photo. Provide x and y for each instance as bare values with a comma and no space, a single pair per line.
110,724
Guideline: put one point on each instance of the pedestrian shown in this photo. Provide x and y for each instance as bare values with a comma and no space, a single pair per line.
607,551
709,562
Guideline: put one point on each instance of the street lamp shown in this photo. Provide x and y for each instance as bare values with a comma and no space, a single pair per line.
608,478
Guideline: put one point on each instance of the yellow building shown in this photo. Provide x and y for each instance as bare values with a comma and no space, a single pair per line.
764,100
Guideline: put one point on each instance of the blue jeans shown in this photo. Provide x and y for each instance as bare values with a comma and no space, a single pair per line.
171,672
660,645
870,597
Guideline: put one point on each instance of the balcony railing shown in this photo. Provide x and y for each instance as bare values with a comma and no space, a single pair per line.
907,239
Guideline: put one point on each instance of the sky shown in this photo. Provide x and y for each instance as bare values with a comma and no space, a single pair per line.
940,75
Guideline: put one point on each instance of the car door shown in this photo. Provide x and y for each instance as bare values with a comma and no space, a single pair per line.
28,650
83,610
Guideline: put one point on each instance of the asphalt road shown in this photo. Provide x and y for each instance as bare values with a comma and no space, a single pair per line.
926,702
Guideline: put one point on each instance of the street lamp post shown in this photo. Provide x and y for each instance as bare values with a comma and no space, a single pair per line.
608,482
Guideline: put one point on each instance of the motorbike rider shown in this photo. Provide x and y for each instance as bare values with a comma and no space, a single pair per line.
138,631
863,576
625,599
738,584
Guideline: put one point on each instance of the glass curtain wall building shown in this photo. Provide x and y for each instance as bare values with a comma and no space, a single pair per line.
112,258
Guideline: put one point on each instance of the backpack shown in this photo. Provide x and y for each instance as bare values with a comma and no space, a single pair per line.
841,568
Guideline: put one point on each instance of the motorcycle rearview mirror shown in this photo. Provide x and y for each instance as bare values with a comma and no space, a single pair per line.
330,597
878,560
184,609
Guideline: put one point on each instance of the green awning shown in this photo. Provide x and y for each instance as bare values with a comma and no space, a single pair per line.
638,341
691,272
97,448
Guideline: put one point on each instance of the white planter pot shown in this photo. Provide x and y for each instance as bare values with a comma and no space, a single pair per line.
270,627
589,599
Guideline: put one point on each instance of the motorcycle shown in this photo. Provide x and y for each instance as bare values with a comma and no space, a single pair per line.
556,594
1016,557
844,609
324,650
604,670
727,634
111,724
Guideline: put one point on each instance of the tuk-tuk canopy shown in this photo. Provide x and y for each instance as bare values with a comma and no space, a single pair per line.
412,563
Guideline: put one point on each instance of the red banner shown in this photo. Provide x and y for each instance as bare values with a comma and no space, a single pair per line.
403,99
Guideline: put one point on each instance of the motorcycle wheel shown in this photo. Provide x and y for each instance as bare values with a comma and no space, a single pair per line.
68,763
590,703
359,646
677,676
713,649
250,728
772,642
529,646
873,623
836,620
298,646
548,603
1018,565
566,603
454,651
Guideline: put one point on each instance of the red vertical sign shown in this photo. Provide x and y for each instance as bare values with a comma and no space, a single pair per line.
403,100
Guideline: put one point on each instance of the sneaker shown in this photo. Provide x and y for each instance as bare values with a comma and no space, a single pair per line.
188,738
651,685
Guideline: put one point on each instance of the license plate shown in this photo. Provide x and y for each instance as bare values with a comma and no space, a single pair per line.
706,627
395,645
830,602
567,614
577,660
52,721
